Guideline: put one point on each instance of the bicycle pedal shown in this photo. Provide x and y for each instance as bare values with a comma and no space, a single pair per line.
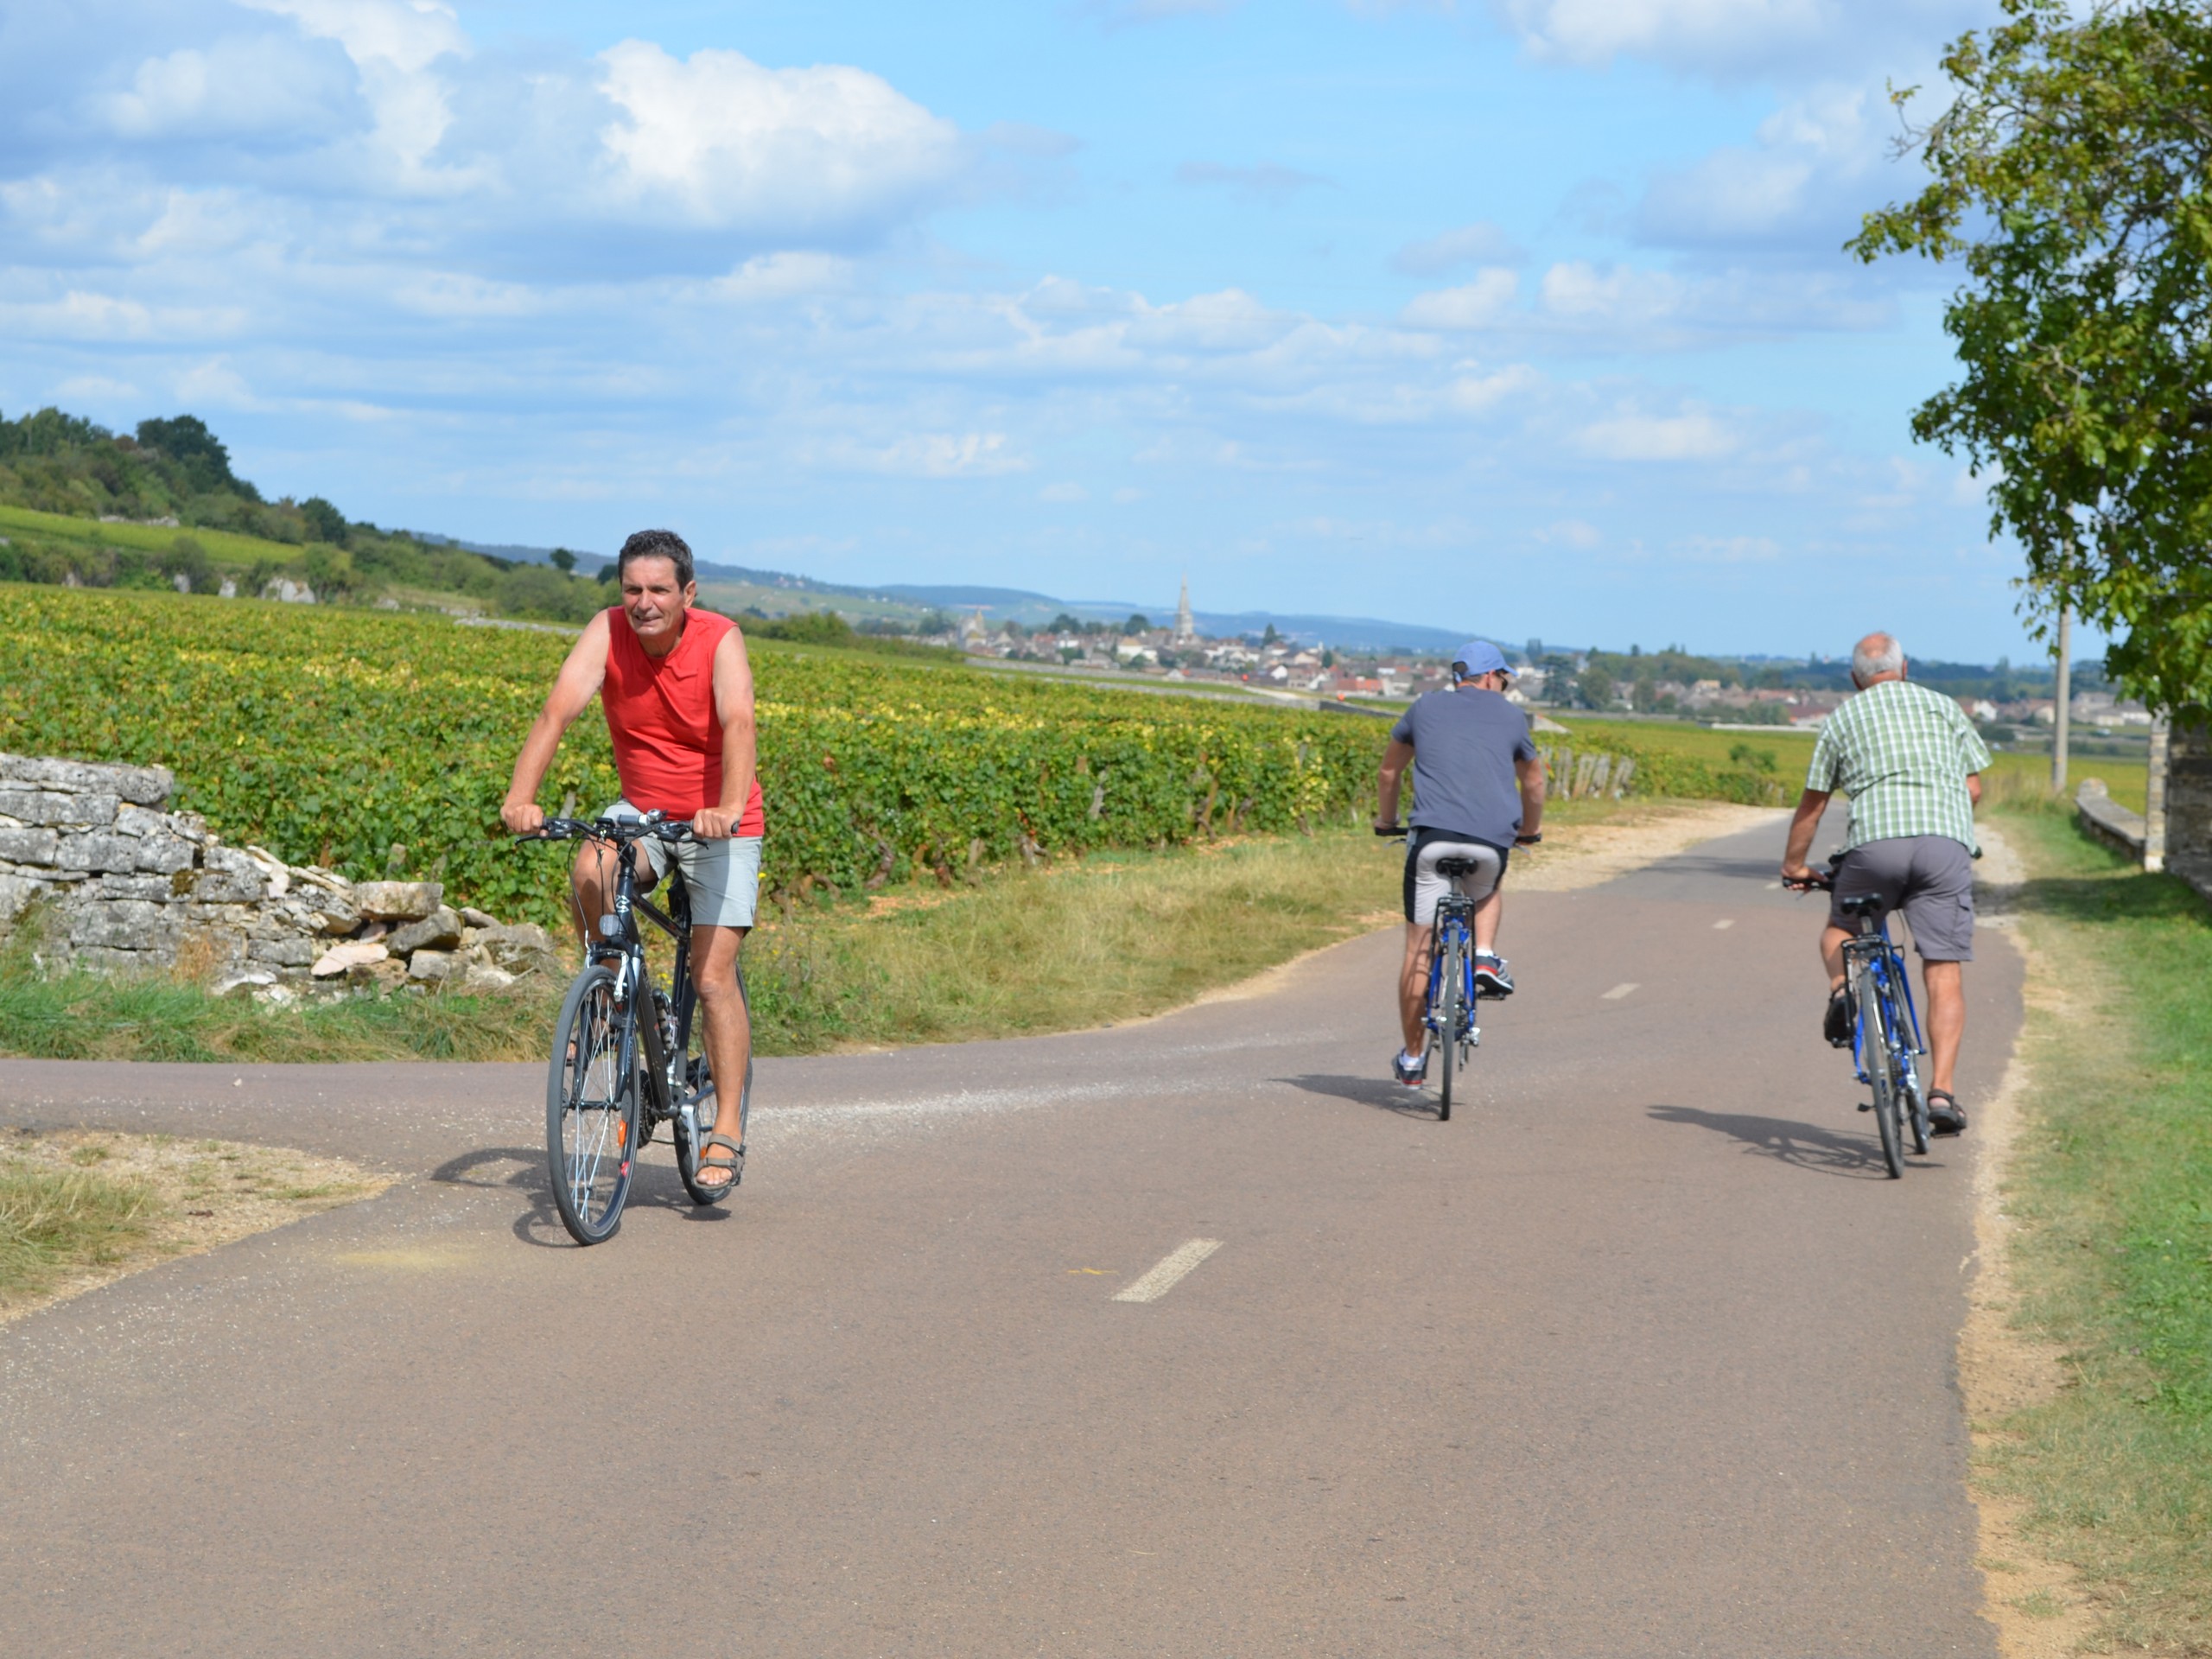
1865,1105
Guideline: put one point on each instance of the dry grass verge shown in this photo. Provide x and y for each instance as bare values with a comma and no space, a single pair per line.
80,1209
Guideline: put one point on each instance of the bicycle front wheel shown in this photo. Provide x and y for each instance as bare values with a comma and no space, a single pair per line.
1881,1070
591,1110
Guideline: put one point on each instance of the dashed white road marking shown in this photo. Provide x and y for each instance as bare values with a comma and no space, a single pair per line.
1725,921
1170,1271
1618,992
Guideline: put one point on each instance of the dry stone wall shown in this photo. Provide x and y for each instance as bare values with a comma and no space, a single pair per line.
119,882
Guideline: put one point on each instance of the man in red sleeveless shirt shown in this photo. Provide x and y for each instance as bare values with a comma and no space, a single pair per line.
678,693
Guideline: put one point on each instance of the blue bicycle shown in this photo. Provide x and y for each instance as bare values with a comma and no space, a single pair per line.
1885,1042
1450,1018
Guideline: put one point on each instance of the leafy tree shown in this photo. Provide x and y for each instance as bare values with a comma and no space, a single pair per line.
1595,688
1270,637
562,560
205,458
1138,623
324,522
1066,624
2072,178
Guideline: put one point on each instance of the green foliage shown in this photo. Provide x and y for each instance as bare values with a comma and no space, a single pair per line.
2073,176
329,735
324,522
1692,763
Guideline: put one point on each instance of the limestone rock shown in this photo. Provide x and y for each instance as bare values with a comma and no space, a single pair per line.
117,925
164,853
229,877
16,892
341,957
523,948
50,806
397,901
293,952
330,915
471,917
98,855
440,931
28,846
430,966
483,976
147,785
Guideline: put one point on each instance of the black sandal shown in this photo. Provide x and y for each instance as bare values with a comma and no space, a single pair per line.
734,1164
1950,1117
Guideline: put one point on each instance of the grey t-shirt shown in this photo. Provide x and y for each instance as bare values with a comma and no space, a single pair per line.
1465,743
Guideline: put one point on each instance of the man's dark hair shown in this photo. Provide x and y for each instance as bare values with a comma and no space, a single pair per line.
656,544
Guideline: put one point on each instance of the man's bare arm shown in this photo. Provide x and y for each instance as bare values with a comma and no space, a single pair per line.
1395,759
574,687
1974,788
740,742
1810,806
1531,774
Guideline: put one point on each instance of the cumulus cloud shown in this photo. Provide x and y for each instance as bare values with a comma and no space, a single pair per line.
723,140
1479,304
1731,38
1479,244
1694,435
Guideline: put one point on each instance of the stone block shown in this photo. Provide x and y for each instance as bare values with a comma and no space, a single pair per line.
471,917
440,931
147,785
397,901
152,888
117,925
166,853
430,966
341,958
141,821
333,917
97,855
483,976
521,949
28,846
229,877
284,953
106,959
48,806
16,893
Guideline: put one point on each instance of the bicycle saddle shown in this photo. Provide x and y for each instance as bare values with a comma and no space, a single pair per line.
1867,903
1452,867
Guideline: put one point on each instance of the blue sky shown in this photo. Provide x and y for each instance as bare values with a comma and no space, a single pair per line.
1528,316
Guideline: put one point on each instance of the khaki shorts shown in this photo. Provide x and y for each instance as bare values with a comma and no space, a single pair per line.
722,878
1929,878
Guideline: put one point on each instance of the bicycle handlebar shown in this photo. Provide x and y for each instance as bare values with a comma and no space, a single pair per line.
651,827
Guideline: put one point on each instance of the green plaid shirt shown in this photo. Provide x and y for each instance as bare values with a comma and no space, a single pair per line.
1901,753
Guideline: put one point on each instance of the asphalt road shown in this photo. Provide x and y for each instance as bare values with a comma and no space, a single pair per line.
1639,1355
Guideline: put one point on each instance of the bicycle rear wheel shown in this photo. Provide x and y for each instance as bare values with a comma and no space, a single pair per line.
591,1110
1447,1035
1881,1069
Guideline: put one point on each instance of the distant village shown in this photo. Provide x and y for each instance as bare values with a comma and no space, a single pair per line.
1559,679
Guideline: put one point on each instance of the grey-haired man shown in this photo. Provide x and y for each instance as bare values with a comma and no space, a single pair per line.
1478,793
1911,764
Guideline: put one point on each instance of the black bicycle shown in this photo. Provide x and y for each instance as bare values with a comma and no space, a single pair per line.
1885,1045
1452,991
618,1073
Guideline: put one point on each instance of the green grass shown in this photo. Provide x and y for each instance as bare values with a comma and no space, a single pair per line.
1791,752
2016,775
225,547
2114,1191
52,1222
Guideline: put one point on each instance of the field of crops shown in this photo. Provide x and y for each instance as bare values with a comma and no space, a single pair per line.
329,736
1760,768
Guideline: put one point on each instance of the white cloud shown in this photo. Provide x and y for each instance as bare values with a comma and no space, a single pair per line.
1479,244
241,87
1065,494
767,277
945,455
1727,38
1478,304
1728,549
1692,435
1570,532
724,141
408,35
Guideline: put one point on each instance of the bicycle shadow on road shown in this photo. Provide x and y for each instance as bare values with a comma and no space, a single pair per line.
1801,1146
654,1187
1378,1092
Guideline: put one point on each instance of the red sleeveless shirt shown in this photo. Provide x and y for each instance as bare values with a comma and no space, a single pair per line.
660,712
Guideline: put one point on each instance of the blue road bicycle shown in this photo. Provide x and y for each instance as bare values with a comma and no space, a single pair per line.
1886,1046
1450,1018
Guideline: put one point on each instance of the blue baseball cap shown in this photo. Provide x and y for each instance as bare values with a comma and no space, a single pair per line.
1477,657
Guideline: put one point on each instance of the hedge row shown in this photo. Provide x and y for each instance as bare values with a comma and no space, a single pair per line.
333,736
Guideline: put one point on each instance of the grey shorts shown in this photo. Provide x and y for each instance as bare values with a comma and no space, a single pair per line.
1929,878
1424,885
722,878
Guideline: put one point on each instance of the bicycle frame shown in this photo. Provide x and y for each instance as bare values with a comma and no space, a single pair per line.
626,948
1892,982
1454,915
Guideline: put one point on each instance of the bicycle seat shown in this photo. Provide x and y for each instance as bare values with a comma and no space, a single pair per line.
1867,903
1450,867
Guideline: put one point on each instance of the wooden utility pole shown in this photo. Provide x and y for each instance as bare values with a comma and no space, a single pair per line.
2065,688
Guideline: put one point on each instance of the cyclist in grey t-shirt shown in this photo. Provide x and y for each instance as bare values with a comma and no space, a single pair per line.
1478,793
